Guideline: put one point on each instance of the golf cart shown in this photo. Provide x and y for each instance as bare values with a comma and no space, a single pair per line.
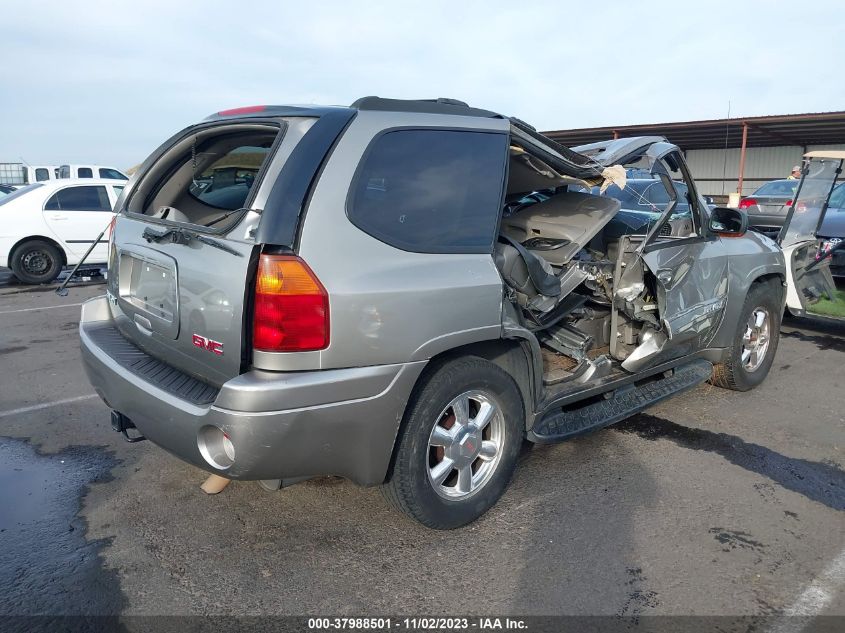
810,285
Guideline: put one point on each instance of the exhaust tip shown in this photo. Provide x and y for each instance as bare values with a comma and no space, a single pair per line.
216,447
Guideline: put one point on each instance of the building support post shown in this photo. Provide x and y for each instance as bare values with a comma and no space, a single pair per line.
742,158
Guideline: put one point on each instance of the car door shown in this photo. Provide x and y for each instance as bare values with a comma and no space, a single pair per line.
77,214
690,271
809,281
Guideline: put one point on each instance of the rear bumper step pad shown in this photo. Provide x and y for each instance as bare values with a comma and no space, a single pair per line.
558,425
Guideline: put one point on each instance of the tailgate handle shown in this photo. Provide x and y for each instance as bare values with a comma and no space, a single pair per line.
143,324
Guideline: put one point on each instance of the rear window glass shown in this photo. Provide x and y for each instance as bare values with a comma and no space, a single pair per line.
225,183
79,199
431,191
777,188
84,172
17,193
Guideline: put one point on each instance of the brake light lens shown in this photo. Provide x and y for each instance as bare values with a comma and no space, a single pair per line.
291,307
788,203
747,202
244,110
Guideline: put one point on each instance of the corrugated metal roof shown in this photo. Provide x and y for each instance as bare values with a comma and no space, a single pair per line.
763,131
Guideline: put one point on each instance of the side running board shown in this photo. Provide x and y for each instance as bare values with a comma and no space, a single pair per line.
613,406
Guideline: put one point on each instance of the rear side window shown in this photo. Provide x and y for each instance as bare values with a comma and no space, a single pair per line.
106,172
41,174
79,199
431,191
84,172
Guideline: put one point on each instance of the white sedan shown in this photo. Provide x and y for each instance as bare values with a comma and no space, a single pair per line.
46,226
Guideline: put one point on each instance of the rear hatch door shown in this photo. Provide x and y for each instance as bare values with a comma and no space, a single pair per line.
181,302
184,252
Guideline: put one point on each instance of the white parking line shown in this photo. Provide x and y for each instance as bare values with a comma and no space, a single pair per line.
64,305
816,596
46,405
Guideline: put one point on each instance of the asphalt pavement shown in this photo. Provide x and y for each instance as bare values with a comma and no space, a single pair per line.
713,503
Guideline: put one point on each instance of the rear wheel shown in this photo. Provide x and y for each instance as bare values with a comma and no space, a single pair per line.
755,342
36,262
458,446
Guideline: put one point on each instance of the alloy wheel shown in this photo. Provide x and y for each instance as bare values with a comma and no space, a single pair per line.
755,339
465,445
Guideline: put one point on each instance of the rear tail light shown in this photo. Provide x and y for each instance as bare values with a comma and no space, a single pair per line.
788,203
291,307
747,202
244,110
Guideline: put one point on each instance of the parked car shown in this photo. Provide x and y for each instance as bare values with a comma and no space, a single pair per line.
767,207
5,190
20,174
90,171
376,316
47,226
832,231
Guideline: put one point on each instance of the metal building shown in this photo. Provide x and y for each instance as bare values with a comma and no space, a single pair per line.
732,155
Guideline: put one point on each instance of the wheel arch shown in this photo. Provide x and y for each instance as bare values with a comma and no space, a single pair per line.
511,355
775,279
736,297
42,238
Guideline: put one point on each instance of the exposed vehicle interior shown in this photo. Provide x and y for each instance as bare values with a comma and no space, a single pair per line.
569,253
206,177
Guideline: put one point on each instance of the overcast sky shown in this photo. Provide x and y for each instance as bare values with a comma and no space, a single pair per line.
107,84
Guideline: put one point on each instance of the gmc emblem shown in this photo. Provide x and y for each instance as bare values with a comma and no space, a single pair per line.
207,344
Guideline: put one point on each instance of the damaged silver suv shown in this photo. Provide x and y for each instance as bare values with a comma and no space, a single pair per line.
402,292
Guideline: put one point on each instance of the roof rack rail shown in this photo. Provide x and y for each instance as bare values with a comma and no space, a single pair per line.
441,105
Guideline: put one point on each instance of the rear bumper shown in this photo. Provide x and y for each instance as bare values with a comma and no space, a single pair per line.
283,425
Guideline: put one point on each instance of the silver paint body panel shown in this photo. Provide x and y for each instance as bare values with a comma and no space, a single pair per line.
337,411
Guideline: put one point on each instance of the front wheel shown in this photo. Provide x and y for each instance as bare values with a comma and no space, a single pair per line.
36,262
458,446
755,342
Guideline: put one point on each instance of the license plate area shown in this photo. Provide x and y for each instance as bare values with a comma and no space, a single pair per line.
148,287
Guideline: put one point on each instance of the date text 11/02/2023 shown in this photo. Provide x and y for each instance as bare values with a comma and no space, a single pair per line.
416,624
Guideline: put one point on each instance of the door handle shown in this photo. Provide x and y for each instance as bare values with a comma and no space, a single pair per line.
58,217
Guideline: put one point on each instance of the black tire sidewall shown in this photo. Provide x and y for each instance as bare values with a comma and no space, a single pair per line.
451,380
27,247
760,295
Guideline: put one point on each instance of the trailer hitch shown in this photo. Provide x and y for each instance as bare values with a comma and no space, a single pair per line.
122,424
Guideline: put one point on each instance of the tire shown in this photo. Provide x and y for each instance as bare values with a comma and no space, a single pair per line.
744,373
422,484
36,262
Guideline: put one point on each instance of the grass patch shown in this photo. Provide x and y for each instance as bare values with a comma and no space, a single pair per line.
826,307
